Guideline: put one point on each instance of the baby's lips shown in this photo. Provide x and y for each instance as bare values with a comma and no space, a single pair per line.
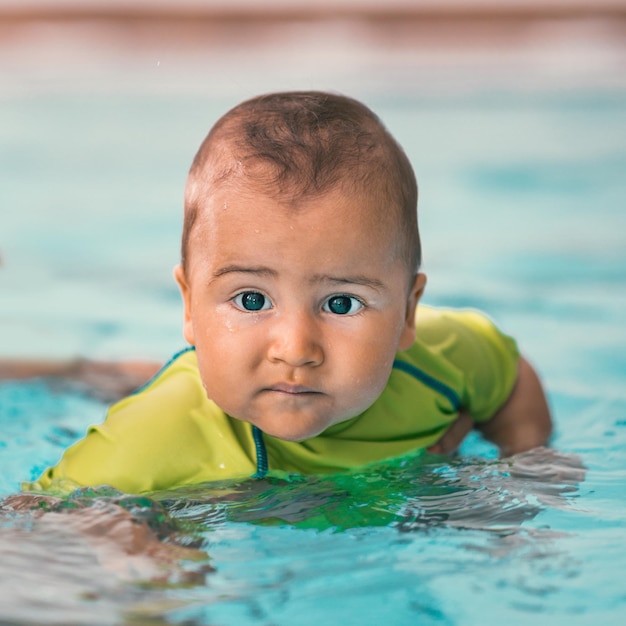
290,388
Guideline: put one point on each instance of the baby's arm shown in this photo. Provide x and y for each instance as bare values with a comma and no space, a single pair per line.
106,379
523,422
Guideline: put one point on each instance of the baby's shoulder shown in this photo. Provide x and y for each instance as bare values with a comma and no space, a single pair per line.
440,320
464,338
175,389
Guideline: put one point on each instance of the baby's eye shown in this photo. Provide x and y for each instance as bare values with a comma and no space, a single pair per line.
252,301
342,305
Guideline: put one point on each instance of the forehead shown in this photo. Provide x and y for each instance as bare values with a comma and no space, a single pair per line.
239,221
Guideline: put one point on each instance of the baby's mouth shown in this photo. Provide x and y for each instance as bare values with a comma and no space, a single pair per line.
290,389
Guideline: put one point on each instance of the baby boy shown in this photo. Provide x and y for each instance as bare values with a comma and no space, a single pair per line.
308,350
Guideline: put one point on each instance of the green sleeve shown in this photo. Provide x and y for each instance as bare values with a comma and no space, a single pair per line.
142,445
486,358
166,435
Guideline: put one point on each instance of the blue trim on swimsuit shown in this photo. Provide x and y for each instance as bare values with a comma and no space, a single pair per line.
261,453
164,367
428,380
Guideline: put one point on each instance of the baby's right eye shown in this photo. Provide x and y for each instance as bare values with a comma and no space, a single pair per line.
252,301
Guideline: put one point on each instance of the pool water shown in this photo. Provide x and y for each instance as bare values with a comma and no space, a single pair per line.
522,196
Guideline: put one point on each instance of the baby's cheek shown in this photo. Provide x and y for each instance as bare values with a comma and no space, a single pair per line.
368,383
375,370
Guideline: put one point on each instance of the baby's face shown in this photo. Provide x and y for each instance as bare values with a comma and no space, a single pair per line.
296,314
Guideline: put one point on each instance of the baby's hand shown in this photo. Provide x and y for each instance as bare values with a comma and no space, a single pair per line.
121,542
521,424
454,436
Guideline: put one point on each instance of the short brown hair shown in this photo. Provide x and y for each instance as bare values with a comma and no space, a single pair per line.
305,143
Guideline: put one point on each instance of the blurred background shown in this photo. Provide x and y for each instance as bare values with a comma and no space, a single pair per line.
512,112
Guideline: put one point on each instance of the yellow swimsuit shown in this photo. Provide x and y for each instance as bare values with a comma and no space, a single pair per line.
169,433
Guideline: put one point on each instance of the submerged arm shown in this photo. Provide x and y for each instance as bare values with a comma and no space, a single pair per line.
106,379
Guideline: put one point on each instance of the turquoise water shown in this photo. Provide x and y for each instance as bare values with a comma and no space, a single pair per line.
522,207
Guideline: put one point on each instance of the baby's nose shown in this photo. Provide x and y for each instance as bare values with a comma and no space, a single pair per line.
296,341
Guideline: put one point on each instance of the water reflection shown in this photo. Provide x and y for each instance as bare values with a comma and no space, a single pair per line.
407,494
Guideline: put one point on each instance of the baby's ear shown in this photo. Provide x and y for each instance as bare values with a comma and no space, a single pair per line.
407,338
185,291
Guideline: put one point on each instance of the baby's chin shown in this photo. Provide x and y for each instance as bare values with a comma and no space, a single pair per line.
293,432
292,435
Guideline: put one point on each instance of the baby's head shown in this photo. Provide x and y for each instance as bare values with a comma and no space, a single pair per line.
299,145
300,260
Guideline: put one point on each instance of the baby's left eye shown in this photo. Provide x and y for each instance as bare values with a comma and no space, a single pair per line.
342,305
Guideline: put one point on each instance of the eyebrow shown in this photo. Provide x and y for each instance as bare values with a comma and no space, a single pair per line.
356,279
240,269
